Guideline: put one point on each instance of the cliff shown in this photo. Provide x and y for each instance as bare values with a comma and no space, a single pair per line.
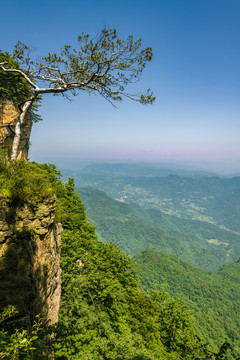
8,118
30,275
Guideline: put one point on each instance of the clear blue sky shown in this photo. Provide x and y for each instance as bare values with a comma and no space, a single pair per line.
195,75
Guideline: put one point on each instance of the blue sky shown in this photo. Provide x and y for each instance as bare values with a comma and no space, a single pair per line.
195,75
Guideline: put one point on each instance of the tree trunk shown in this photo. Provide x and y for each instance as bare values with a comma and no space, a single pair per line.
16,140
18,129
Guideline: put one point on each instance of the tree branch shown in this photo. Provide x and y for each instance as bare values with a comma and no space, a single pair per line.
21,73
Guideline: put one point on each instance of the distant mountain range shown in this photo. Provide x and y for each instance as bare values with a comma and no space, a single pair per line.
144,169
118,168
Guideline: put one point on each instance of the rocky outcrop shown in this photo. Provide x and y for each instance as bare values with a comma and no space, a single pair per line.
30,260
8,119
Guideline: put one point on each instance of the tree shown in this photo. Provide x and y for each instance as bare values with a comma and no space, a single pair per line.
104,65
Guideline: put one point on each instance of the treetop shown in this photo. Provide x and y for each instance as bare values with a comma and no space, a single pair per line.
103,65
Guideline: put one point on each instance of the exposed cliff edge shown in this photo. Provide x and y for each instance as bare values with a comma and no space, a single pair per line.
30,260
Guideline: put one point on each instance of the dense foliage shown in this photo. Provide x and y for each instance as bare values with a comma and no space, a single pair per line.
23,182
214,296
20,343
103,313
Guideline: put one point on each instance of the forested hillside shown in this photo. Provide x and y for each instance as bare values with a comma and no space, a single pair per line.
103,313
214,296
135,228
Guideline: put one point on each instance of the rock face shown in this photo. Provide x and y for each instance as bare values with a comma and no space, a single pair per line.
30,275
8,119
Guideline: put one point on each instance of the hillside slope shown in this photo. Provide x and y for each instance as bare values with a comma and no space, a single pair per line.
135,228
103,313
214,296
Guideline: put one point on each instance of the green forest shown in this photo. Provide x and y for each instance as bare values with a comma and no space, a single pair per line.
213,296
103,313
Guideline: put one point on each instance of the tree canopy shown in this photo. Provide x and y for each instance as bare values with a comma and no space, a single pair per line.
104,65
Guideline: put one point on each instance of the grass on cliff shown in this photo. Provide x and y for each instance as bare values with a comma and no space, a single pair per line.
30,183
23,182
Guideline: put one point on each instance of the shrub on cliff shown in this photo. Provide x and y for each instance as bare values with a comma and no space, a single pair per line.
23,182
19,344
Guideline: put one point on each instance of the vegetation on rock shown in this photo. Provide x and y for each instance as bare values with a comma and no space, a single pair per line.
20,343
